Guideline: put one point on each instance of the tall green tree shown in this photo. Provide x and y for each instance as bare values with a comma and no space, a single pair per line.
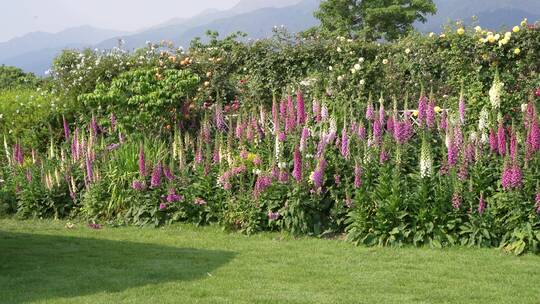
373,19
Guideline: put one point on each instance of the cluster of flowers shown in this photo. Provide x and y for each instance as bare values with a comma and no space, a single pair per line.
298,145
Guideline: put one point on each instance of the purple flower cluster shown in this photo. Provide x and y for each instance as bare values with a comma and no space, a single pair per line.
262,183
481,204
456,200
273,216
297,166
512,177
157,172
173,197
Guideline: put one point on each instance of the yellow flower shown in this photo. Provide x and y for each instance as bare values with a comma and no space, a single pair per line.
431,35
482,40
524,22
508,34
516,29
517,51
491,38
385,61
497,37
478,29
461,31
251,157
415,113
442,35
438,109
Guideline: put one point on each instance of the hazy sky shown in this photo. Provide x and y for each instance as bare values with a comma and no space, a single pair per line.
18,17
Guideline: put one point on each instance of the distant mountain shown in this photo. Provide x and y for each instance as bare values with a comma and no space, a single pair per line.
31,48
492,14
175,28
257,20
34,52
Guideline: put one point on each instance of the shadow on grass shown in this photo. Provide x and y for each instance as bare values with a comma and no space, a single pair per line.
37,267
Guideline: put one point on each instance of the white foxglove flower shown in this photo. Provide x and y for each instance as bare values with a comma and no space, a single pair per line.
426,161
495,93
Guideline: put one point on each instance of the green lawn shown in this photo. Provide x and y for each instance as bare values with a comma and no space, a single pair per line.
44,262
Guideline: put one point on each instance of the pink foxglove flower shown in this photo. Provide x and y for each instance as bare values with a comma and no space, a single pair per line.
481,204
493,145
344,144
430,114
155,181
304,138
456,200
501,140
357,176
370,112
316,108
537,200
422,107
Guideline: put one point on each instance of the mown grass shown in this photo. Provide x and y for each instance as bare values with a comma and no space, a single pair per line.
44,262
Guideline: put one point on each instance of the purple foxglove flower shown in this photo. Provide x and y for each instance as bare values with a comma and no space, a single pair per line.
66,128
501,140
219,118
481,204
283,110
430,114
357,176
443,123
493,145
318,174
300,109
370,112
516,177
452,154
506,178
290,124
344,144
533,139
142,162
297,167
162,206
137,185
456,200
422,105
513,146
324,112
173,197
304,138
470,153
155,181
377,131
244,154
168,174
275,172
18,154
337,179
361,132
282,137
121,138
89,170
390,125
257,161
382,115
262,183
